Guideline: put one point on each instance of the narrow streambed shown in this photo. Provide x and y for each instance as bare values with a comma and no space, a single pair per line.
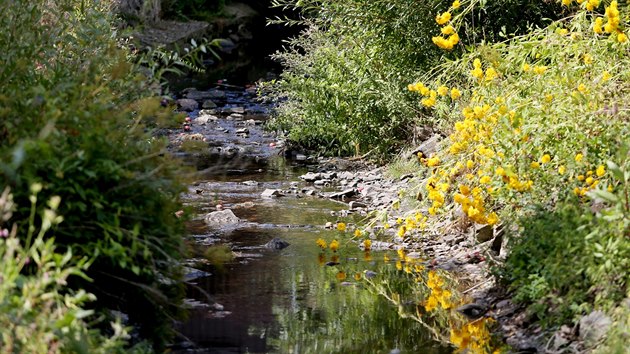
288,301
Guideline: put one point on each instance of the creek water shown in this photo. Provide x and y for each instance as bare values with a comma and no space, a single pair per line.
289,300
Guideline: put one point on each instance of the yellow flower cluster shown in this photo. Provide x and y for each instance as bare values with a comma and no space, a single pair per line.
589,180
477,72
431,96
473,337
448,30
612,21
439,296
417,221
322,243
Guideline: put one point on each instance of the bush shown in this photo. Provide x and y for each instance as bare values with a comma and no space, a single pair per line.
38,313
71,119
342,89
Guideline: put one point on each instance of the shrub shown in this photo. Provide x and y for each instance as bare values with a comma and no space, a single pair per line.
38,313
71,119
342,89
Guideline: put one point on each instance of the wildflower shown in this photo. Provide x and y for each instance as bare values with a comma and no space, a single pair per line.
491,74
597,25
464,189
446,30
443,18
606,76
589,173
562,169
588,59
341,276
566,2
534,165
563,31
477,73
526,67
492,219
622,38
442,90
434,161
540,69
582,88
341,226
455,93
546,158
357,276
470,164
385,258
601,170
580,177
485,180
367,244
579,157
589,180
357,233
334,245
321,243
610,188
456,4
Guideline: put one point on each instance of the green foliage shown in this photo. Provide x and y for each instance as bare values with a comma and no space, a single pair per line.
343,88
72,114
567,260
38,312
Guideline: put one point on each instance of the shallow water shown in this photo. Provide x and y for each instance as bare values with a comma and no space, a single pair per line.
289,301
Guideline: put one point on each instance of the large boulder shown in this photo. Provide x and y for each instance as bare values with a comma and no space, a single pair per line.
138,11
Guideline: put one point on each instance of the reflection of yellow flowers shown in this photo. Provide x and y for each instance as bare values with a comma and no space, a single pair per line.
341,276
321,243
334,245
341,226
321,259
473,337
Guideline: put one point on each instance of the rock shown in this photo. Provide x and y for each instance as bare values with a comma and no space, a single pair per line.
322,182
207,104
277,244
497,242
428,147
192,274
311,177
237,110
235,116
343,194
196,95
187,104
300,157
222,218
484,233
242,131
202,120
473,311
271,193
251,183
355,205
593,327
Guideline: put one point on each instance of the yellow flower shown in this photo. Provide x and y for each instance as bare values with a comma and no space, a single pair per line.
540,69
455,93
500,171
477,73
321,243
448,29
582,88
485,180
588,59
563,31
434,161
622,38
357,233
562,170
443,18
492,219
357,276
341,226
580,177
566,2
534,165
455,4
579,157
464,189
546,158
597,25
601,170
526,67
341,276
367,244
606,76
589,180
334,245
491,74
442,90
470,164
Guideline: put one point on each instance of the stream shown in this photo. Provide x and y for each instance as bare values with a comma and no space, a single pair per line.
247,298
